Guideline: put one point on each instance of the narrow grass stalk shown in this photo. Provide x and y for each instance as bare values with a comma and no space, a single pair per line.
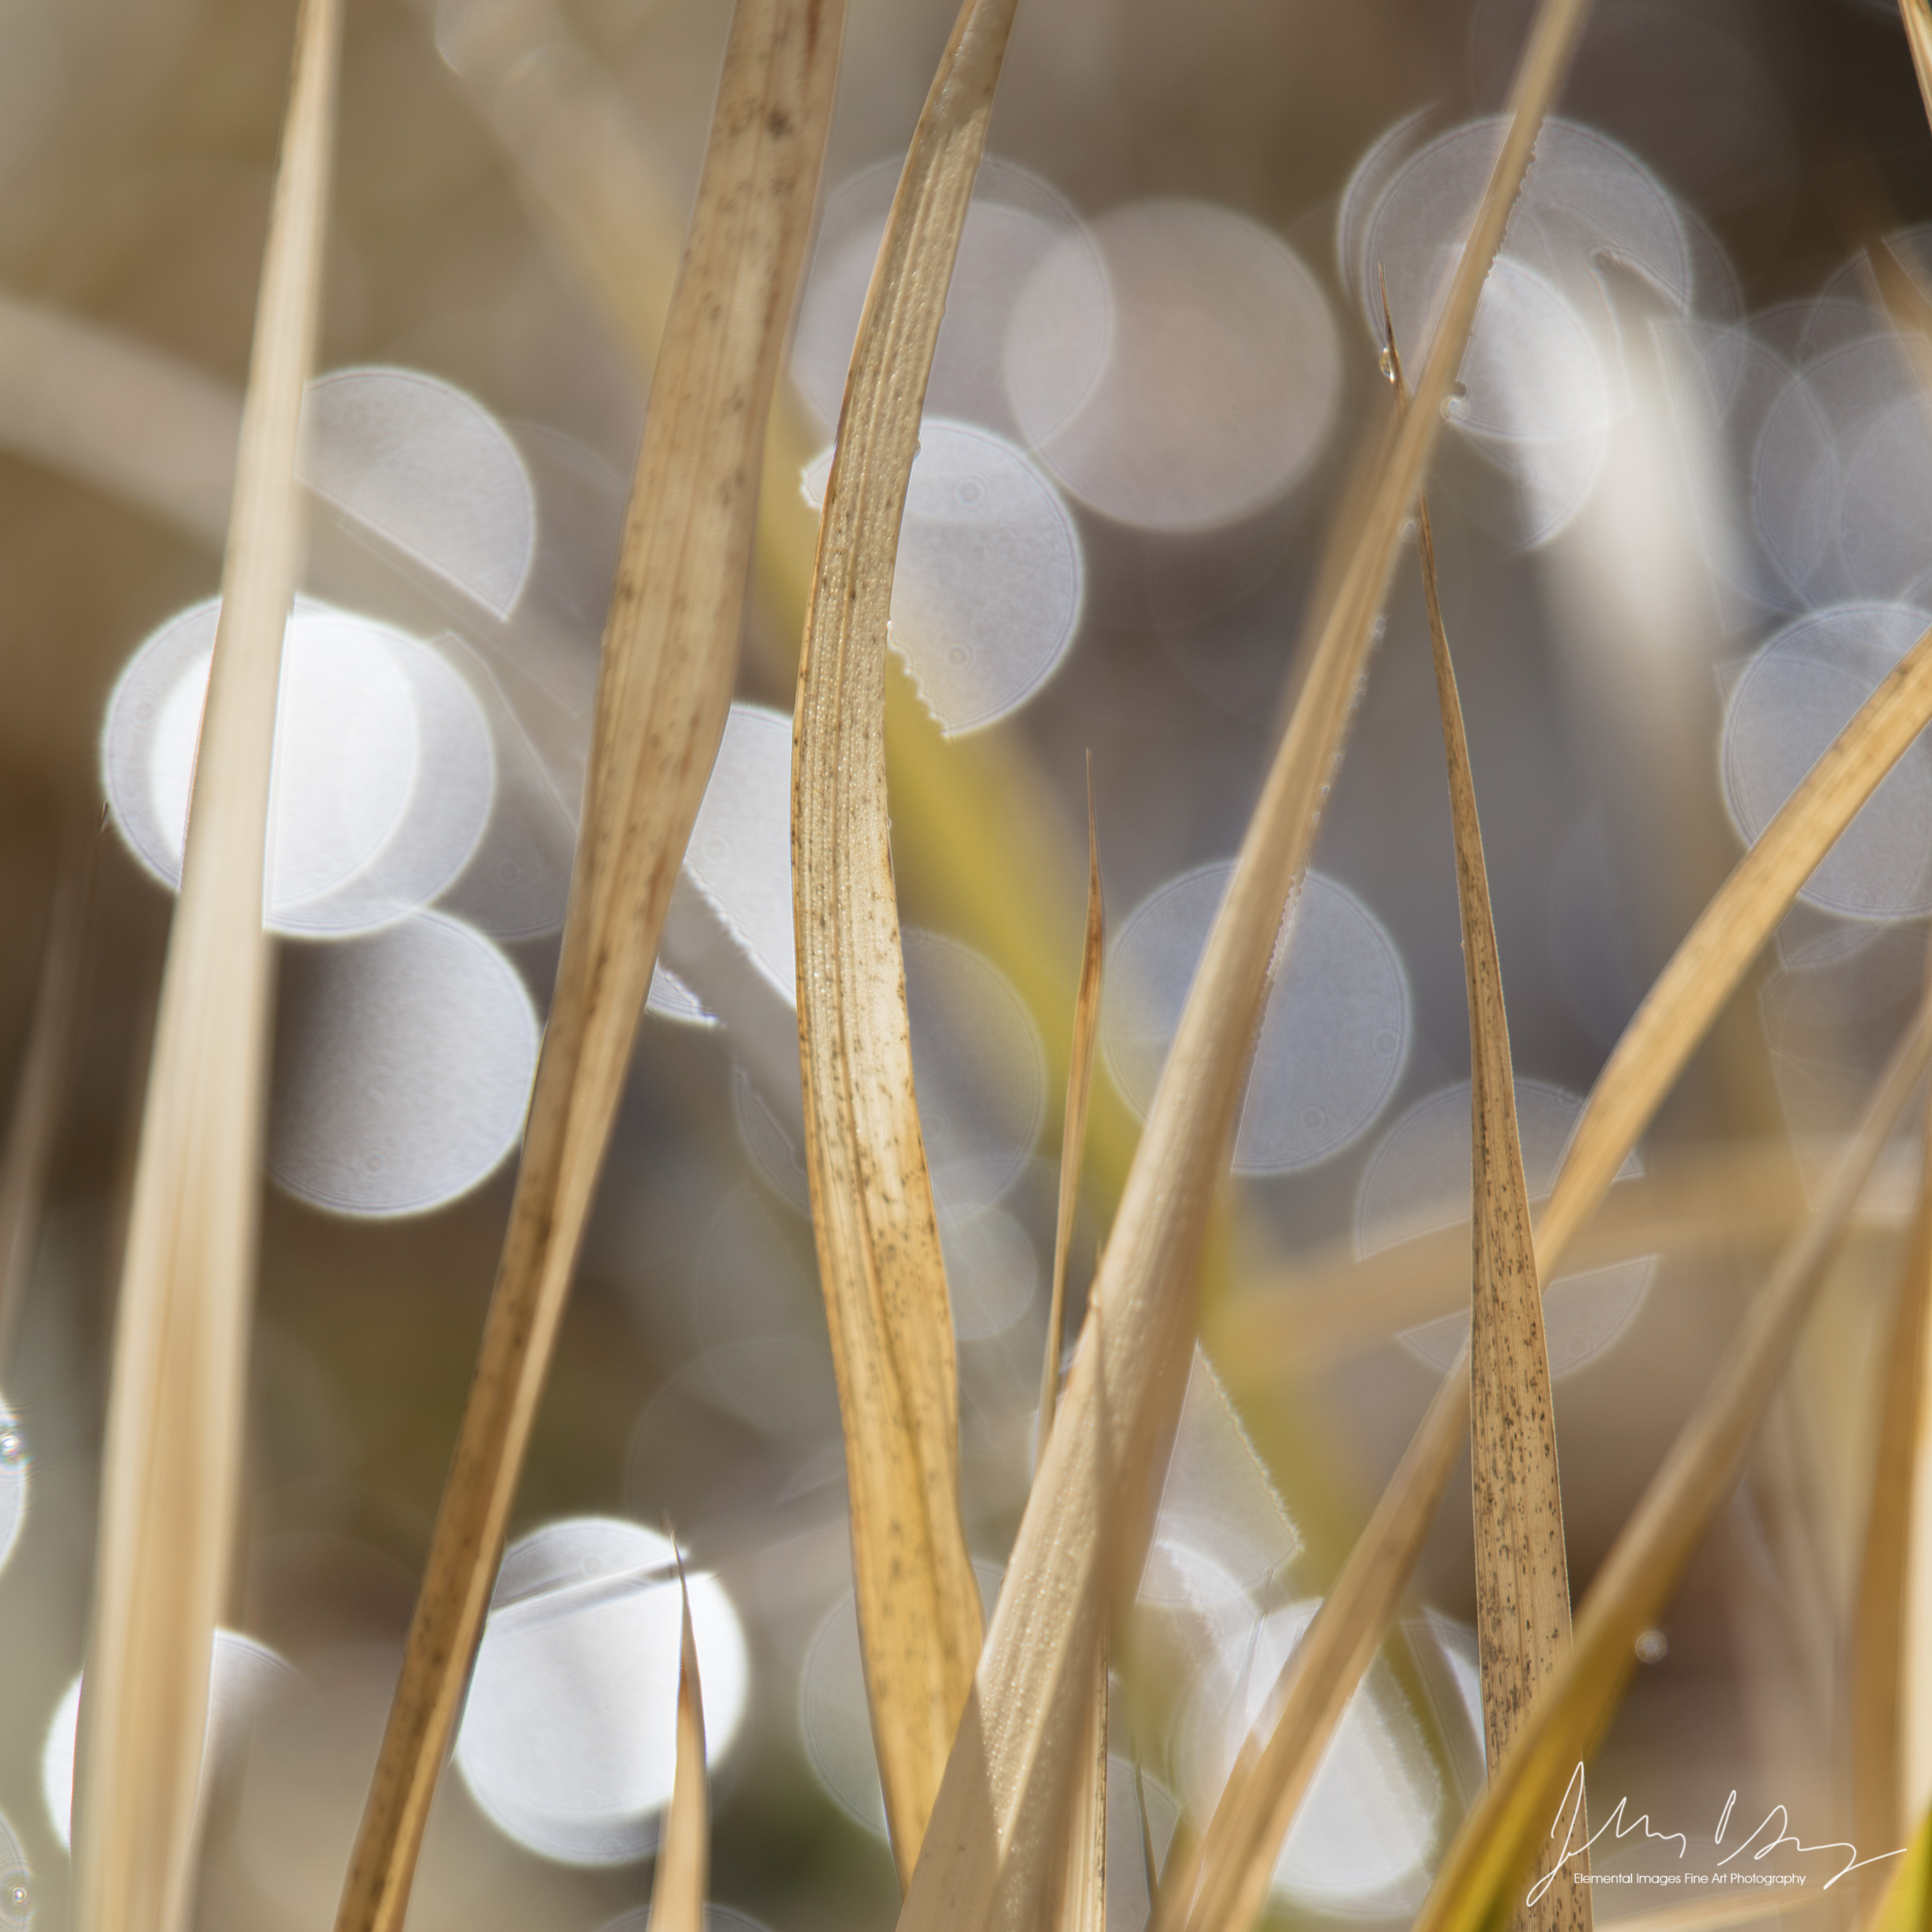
1073,1132
1082,1890
1917,15
1268,1781
27,1151
678,1885
1007,1783
1477,1886
1882,1632
1523,1565
171,1463
919,1618
670,659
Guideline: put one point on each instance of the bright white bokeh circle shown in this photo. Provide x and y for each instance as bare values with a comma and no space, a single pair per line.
383,773
569,1738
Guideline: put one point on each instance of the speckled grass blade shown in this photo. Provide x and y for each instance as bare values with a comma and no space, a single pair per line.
1522,1566
879,1261
171,1461
1480,1882
1268,1781
670,650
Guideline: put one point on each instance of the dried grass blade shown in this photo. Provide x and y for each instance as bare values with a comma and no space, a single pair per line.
1073,1134
1477,1884
1523,1566
1268,1783
919,1617
1917,15
1006,1786
1082,1891
31,1125
171,1462
1881,1631
670,659
682,1878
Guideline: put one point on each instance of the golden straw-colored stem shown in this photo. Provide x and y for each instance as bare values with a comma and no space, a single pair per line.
670,658
174,1409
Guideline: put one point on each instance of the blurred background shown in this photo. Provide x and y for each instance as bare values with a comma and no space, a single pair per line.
1678,509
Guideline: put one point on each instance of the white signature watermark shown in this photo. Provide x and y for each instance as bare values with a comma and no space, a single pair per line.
1571,1809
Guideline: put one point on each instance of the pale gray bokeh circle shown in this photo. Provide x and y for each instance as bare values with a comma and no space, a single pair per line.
1795,697
1334,1035
422,463
1219,374
1418,1180
1015,221
403,1068
989,581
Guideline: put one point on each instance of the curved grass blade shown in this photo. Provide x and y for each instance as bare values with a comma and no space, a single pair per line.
1073,1133
1881,1631
34,1121
1268,1781
1006,1788
171,1459
670,658
1522,1565
1478,1886
919,1618
678,1885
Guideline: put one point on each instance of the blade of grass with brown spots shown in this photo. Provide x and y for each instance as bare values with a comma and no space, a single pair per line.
1253,1817
1480,1883
670,650
1073,1133
919,1617
171,1465
1522,1566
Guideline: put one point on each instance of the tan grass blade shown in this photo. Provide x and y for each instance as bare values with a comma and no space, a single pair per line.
1881,1630
1917,15
1479,1882
171,1459
919,1618
1259,1803
1523,1565
1010,1779
1082,1888
670,658
1073,1133
678,1885
28,1150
